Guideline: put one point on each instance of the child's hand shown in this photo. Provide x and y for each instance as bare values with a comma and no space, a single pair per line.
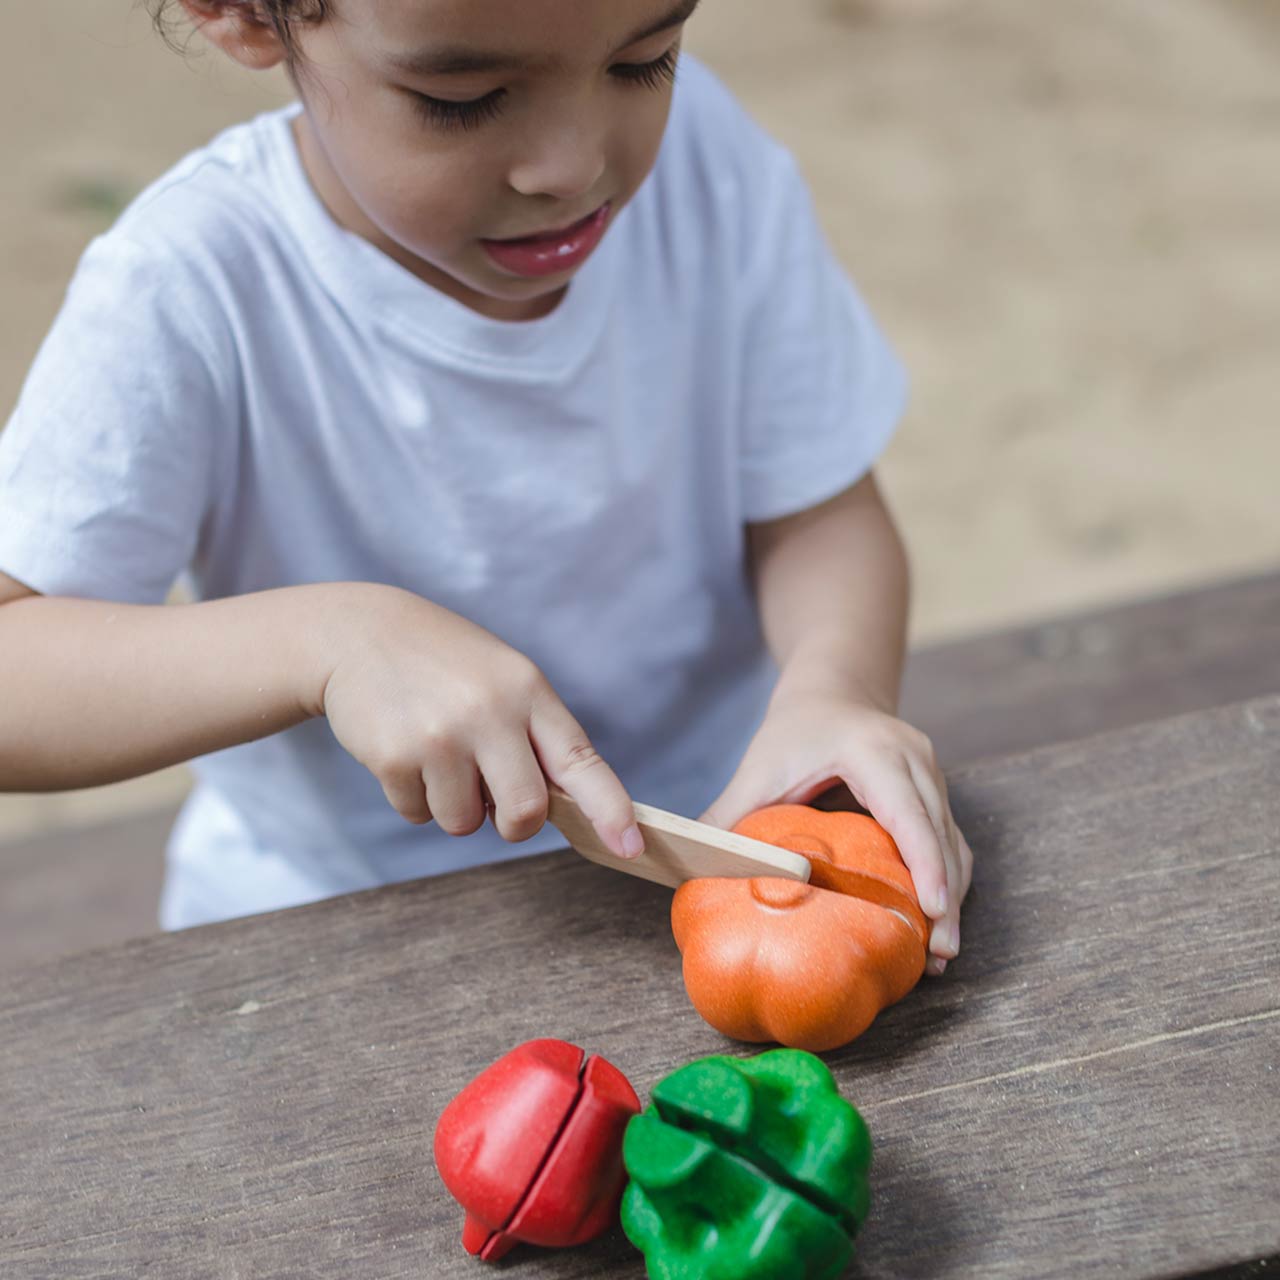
454,723
807,742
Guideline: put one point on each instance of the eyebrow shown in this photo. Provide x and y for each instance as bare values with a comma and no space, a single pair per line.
458,60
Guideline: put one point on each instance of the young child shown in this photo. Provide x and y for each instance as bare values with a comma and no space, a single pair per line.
510,421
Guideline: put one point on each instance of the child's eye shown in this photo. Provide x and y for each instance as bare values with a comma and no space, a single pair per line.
649,74
448,114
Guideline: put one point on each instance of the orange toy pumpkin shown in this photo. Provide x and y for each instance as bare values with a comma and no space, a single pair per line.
807,965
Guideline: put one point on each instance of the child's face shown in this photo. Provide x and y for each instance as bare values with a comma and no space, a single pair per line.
440,129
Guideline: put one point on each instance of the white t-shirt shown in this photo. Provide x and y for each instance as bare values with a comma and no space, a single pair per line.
239,390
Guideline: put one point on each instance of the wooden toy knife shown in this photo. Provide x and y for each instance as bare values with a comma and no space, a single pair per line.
676,849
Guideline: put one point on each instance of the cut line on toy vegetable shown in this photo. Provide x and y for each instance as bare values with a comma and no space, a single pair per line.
751,1169
532,1148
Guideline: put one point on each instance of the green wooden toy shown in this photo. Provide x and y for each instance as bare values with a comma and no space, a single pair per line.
747,1169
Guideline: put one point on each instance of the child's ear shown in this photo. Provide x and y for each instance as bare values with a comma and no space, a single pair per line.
239,30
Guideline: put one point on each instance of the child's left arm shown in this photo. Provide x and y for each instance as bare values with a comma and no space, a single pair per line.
832,588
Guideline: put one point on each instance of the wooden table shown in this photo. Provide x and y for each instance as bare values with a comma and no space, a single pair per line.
1092,1089
1088,672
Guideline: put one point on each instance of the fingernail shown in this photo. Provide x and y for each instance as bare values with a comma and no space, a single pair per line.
936,966
632,842
940,901
953,938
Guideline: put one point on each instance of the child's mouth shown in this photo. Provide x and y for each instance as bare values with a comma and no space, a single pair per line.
550,251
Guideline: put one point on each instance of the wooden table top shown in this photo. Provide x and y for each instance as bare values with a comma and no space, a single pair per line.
1104,668
1093,1088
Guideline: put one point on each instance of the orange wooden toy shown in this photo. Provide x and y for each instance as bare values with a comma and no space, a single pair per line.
808,965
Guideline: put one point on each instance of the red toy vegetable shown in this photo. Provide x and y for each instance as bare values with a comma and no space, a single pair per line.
532,1148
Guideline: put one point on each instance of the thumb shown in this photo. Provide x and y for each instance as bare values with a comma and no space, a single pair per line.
742,796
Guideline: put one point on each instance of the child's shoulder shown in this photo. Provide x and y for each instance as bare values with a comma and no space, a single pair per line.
712,128
718,166
219,204
716,148
191,255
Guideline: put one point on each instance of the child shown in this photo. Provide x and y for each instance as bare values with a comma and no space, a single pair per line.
510,420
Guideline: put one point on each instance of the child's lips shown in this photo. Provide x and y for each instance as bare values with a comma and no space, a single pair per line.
547,252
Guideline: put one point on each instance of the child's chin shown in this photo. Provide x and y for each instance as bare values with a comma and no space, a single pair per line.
511,297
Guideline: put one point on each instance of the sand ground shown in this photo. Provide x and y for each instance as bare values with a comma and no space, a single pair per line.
1064,214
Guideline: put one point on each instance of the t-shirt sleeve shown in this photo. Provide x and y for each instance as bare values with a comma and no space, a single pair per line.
824,390
109,460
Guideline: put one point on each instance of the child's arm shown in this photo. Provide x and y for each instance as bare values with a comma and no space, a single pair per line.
436,707
832,586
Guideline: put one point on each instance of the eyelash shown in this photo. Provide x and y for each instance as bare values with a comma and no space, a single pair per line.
649,74
459,115
446,114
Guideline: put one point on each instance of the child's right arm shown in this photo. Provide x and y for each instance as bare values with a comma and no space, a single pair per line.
437,708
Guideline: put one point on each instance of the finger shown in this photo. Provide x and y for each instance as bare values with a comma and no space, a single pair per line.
927,785
966,863
895,803
453,795
518,789
568,759
944,939
963,855
935,966
406,793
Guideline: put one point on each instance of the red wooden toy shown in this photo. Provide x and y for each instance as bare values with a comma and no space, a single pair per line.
532,1148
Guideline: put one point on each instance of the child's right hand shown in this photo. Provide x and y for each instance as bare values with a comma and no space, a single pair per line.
454,723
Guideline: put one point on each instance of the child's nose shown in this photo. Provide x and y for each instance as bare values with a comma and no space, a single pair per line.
566,163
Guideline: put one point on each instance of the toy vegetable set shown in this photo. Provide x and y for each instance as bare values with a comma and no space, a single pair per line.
739,1169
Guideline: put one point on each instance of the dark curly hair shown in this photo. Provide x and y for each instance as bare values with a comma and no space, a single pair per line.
280,15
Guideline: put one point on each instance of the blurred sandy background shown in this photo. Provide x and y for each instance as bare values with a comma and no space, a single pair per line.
1066,215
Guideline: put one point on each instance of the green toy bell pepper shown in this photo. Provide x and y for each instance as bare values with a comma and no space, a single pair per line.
747,1169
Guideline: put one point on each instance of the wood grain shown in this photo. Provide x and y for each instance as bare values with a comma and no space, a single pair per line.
1090,1090
1093,671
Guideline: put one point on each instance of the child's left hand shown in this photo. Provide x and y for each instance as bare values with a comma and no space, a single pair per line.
809,742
